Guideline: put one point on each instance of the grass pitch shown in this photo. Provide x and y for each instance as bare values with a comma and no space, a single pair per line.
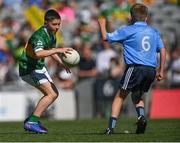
91,131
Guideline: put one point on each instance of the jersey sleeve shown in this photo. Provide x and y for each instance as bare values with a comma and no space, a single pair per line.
37,44
159,42
117,35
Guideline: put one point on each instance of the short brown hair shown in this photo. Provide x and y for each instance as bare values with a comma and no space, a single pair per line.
51,14
139,12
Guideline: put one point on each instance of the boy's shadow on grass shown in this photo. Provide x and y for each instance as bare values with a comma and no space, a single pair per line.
61,133
93,133
16,133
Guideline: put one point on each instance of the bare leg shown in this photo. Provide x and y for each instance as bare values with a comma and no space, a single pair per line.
138,102
118,102
137,98
116,108
50,94
139,105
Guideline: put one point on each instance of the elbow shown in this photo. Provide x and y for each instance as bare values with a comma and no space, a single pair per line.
38,55
104,38
163,51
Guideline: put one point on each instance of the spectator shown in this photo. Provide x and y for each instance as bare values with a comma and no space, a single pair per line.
175,68
116,67
66,12
103,58
87,66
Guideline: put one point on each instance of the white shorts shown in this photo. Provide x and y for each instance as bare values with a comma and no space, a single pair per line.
37,77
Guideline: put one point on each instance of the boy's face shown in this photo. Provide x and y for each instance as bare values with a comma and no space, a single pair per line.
53,25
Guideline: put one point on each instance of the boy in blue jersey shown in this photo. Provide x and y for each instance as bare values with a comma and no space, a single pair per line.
141,44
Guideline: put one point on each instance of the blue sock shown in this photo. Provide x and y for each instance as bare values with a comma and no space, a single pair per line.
140,111
112,122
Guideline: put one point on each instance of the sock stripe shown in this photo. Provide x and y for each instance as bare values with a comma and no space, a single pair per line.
140,111
112,122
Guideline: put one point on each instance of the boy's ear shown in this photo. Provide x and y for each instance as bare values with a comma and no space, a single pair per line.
146,19
129,18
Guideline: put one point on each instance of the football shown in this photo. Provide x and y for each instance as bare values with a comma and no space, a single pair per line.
72,59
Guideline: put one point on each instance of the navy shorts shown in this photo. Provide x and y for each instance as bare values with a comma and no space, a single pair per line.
137,78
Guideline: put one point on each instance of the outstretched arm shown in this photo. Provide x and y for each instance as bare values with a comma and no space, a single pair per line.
57,58
54,54
102,25
46,53
160,72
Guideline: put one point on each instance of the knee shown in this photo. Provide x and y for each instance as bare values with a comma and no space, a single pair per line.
122,94
54,95
54,92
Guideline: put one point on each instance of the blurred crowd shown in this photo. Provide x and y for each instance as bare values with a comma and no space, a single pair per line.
79,30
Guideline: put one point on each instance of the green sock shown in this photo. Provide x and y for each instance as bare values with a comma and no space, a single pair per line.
34,118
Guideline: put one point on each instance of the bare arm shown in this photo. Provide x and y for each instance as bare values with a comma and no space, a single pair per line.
160,72
54,54
58,59
46,53
102,25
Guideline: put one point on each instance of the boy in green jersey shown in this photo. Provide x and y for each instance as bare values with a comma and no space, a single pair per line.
32,67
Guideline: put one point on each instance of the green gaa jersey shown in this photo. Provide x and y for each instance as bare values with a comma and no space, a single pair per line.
40,40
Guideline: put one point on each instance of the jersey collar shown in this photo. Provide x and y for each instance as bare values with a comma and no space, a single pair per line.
140,23
45,29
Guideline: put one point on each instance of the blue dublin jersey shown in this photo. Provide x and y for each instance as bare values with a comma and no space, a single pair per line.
141,43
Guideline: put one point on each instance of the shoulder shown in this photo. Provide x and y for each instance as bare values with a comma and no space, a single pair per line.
122,30
127,30
38,32
37,35
155,30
